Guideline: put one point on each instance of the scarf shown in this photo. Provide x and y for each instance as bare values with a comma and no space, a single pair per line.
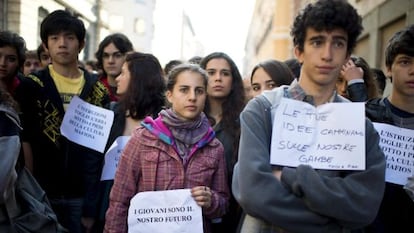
185,133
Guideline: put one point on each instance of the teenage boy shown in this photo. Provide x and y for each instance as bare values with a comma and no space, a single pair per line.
301,198
111,56
395,114
32,63
68,172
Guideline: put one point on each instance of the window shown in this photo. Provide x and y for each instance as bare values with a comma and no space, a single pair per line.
139,26
42,13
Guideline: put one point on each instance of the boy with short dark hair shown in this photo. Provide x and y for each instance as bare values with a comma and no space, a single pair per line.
396,112
301,198
67,171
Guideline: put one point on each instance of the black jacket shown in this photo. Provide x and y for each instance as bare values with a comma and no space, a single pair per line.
396,210
357,92
63,168
376,111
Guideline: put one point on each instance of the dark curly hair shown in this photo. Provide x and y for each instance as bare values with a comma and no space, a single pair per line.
327,15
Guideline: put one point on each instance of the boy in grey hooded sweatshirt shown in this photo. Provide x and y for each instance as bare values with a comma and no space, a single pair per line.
302,198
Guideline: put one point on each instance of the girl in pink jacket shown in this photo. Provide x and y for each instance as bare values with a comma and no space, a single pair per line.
176,150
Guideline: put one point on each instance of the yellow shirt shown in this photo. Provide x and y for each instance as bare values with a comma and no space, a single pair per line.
67,87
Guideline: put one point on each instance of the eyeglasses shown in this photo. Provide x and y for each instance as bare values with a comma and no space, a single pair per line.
116,55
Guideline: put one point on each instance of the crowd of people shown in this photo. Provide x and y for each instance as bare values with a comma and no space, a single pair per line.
199,125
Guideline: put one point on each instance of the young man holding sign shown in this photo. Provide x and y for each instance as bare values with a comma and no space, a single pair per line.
67,171
394,121
323,190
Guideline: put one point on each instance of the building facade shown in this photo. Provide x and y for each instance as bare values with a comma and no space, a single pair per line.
133,18
101,17
381,19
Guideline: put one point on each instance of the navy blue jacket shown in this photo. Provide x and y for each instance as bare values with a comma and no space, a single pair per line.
397,208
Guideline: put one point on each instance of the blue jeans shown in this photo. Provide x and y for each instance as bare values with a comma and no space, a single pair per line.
69,213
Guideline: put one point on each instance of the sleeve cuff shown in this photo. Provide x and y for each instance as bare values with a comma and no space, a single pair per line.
289,180
359,80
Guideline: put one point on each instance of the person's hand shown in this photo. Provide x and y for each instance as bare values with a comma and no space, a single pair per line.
87,223
202,196
277,174
350,71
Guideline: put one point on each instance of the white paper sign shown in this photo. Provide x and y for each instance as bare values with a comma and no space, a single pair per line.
330,136
398,147
87,124
172,211
112,157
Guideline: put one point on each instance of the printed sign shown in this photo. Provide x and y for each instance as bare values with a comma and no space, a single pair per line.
330,136
87,124
112,157
173,211
398,147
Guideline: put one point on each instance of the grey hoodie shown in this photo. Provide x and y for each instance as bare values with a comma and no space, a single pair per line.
306,199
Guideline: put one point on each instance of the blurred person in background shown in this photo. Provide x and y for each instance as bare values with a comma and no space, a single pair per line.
31,62
269,74
110,58
195,60
140,88
380,79
12,57
90,66
356,81
294,66
43,56
170,65
225,100
247,88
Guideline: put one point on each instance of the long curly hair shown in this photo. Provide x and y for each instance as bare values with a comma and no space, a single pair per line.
232,105
235,101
